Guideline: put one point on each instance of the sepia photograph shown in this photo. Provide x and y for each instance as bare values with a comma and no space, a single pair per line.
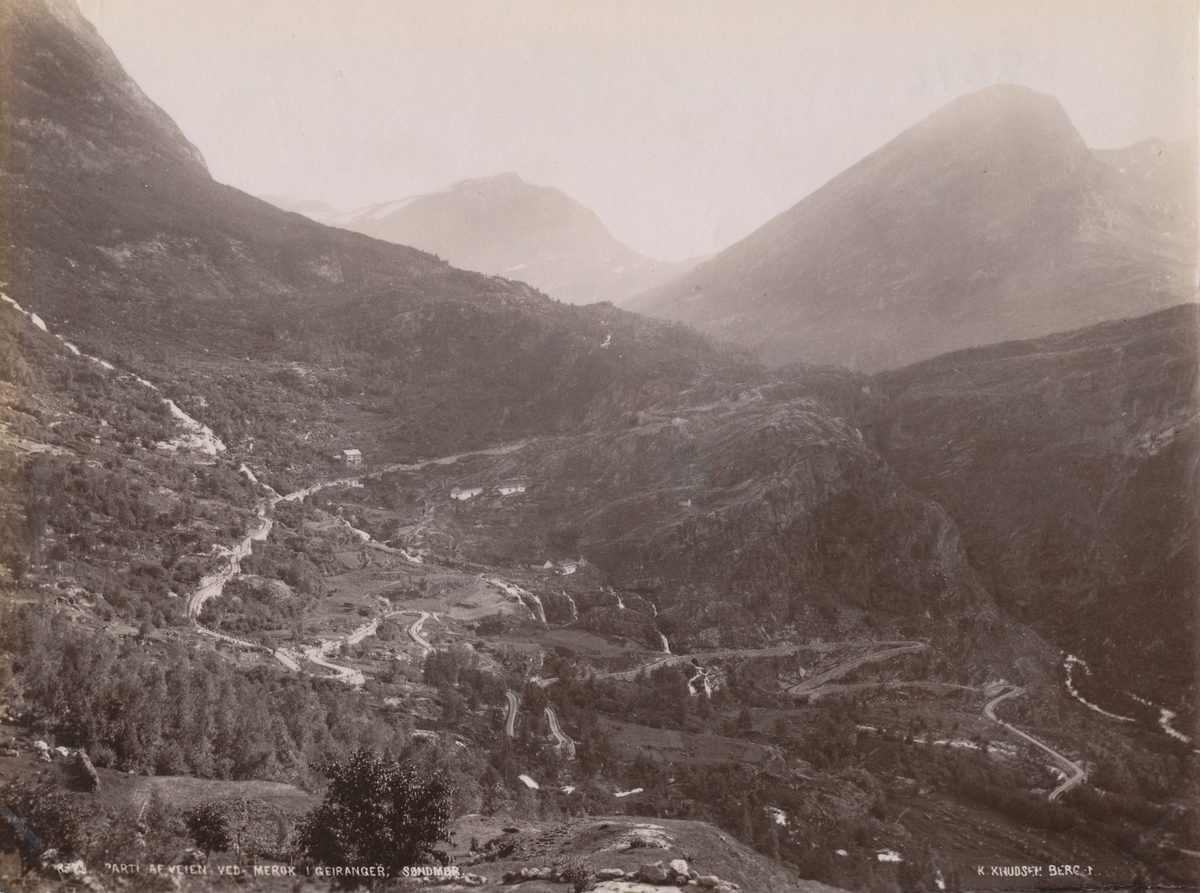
554,446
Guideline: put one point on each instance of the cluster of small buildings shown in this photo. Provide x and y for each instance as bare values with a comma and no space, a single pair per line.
504,488
563,568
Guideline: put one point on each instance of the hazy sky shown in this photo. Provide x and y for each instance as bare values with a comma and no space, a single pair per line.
685,124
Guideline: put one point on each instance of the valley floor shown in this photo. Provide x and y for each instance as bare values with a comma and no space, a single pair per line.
380,609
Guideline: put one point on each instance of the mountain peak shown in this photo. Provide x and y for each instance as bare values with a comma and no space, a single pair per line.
989,220
1002,137
1019,116
505,226
510,180
1007,98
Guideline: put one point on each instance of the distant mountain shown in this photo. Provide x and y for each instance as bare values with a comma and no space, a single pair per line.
504,226
987,221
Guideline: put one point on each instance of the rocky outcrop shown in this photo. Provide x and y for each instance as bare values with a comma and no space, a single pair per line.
627,854
88,777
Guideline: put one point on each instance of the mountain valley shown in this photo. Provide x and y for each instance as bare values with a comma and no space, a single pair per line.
276,495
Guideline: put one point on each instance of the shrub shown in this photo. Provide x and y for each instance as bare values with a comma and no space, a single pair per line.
575,872
208,828
39,819
377,812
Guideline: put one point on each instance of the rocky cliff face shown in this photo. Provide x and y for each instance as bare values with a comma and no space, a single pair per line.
990,220
68,96
1069,463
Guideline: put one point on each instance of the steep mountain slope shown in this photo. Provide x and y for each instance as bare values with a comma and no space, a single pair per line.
503,226
1069,463
1162,176
989,220
116,235
111,212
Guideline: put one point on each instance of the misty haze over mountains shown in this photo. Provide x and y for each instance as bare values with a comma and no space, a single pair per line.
506,227
275,492
991,217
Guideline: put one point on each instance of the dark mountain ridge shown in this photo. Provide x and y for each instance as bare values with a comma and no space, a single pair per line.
1069,462
990,217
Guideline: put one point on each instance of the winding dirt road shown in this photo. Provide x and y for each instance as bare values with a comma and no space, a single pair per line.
414,632
564,740
1075,772
349,675
513,703
213,586
808,686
